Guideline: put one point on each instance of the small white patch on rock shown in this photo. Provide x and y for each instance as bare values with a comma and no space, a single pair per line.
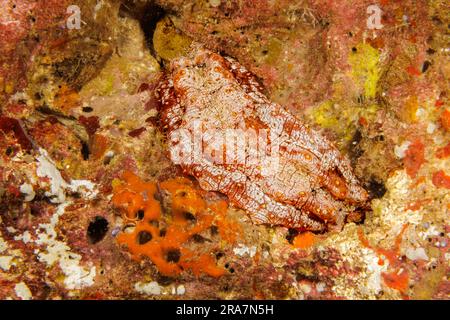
374,270
11,229
25,237
181,290
151,288
6,262
421,113
320,287
428,233
401,149
77,277
306,288
214,3
85,187
47,169
431,128
416,254
3,245
27,190
22,291
242,250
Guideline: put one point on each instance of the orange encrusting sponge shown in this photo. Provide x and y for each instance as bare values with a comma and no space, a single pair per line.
164,237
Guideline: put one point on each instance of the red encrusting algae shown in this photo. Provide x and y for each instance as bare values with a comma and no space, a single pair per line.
441,180
445,119
414,158
398,279
443,152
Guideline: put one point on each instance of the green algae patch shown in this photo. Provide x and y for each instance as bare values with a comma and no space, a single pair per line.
324,115
365,68
341,118
168,42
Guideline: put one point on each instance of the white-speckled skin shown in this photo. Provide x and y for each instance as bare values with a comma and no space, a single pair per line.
314,187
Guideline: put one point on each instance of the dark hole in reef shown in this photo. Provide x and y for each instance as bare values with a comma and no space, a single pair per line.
361,99
305,276
147,13
219,255
199,239
9,151
97,229
436,20
164,280
87,109
45,292
173,255
425,66
357,137
292,233
143,237
162,232
85,150
214,230
376,188
140,214
37,205
355,151
107,160
189,216
154,223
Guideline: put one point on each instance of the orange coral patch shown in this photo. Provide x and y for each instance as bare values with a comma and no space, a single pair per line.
414,158
304,240
441,180
165,237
